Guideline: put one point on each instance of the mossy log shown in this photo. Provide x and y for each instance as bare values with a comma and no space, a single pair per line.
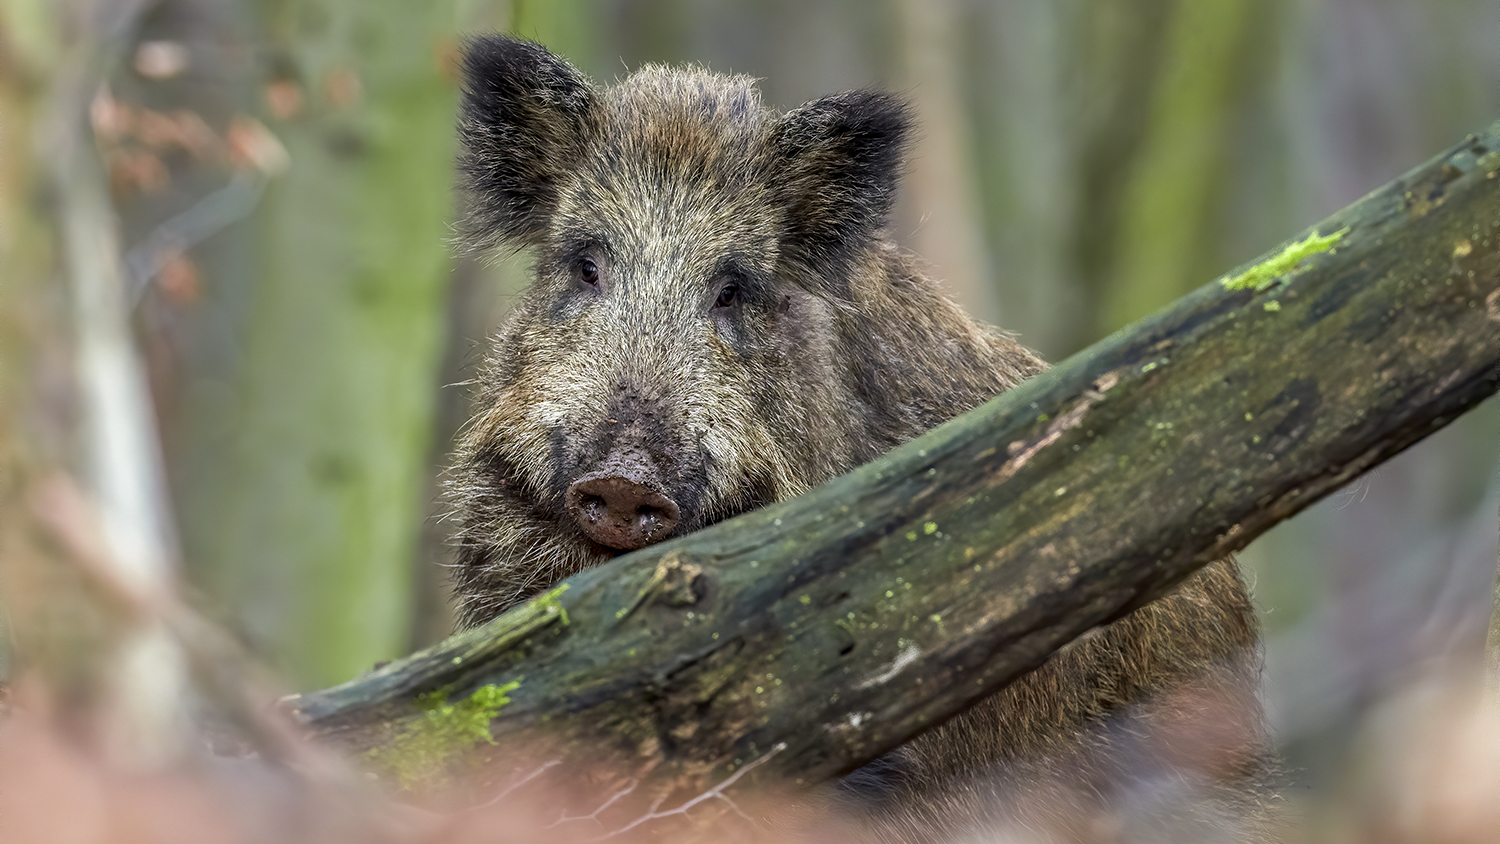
807,638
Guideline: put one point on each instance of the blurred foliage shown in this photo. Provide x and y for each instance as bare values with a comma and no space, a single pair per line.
281,169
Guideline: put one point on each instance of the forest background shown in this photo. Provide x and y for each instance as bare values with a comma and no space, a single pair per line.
280,174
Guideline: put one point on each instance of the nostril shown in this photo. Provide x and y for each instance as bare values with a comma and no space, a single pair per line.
652,520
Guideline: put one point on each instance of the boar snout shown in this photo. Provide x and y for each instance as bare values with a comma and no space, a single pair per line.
622,504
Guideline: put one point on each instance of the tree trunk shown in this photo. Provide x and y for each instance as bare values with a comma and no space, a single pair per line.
300,489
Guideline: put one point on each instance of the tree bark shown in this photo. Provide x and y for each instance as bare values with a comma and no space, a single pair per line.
807,638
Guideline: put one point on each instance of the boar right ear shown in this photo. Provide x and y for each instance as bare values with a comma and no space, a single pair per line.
521,129
839,164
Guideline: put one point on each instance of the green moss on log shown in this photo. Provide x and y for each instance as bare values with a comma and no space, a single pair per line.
447,731
1264,274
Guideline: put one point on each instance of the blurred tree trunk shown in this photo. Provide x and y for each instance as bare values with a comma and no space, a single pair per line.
939,211
1115,53
300,494
36,432
568,27
1164,241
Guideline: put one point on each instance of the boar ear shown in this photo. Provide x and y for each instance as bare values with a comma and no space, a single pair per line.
840,161
521,128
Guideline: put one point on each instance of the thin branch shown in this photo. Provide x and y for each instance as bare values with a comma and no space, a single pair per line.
718,792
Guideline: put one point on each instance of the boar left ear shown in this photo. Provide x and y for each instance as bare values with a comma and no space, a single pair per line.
839,161
522,127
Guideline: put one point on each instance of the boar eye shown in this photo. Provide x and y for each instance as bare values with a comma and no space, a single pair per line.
588,272
728,295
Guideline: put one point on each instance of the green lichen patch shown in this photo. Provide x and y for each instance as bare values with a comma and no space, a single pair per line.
548,603
1264,274
424,753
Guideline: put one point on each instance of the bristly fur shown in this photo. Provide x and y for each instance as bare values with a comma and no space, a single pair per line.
717,296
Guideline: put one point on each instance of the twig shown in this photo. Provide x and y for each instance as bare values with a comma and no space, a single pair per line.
717,791
594,815
515,785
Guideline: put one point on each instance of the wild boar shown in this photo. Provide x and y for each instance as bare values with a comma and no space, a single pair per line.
719,320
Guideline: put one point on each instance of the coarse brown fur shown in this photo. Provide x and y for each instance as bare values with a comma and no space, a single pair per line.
719,309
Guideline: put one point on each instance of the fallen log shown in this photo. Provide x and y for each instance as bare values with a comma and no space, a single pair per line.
805,639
